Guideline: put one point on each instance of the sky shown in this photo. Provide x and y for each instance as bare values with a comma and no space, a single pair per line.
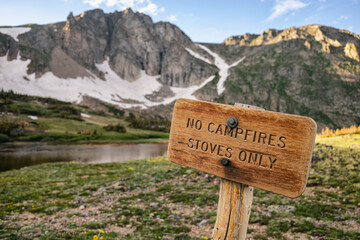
202,20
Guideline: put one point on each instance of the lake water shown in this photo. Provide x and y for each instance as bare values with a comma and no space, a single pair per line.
14,156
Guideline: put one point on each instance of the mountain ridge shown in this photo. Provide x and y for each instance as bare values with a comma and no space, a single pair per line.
130,40
131,62
329,38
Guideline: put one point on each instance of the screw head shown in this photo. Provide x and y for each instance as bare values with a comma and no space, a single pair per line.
225,162
232,122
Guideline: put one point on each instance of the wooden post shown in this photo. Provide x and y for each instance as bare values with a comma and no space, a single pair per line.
233,212
234,207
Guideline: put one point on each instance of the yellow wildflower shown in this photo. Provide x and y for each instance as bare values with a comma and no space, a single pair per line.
131,168
102,237
204,237
95,237
101,231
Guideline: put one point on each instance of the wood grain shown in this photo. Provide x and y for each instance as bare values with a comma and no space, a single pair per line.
267,150
235,200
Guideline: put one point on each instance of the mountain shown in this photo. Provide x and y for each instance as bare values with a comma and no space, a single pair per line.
120,58
312,70
125,60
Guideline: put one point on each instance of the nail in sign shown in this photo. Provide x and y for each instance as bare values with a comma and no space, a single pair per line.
267,150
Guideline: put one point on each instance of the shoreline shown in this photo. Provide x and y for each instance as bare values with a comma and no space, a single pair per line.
111,142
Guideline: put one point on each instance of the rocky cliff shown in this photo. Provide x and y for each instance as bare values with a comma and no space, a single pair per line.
130,41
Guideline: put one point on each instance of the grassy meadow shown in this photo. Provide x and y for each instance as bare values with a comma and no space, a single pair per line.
156,199
34,119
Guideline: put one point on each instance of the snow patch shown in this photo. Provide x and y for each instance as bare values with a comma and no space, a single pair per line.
15,32
85,115
237,62
198,56
113,90
135,90
223,66
33,117
184,92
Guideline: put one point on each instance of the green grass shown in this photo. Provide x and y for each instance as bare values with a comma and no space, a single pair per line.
156,199
342,141
61,122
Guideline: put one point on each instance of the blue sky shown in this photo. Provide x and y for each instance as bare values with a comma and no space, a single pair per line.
201,20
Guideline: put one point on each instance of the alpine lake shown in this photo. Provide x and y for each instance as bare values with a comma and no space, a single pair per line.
15,156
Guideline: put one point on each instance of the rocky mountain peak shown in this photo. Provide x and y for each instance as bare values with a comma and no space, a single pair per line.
128,11
327,39
70,16
129,40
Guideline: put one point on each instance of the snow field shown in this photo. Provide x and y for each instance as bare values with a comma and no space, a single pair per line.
15,32
114,90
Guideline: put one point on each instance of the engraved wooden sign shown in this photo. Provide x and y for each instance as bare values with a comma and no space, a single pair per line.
267,150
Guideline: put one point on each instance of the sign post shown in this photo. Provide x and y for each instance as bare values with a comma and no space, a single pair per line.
245,147
233,213
234,207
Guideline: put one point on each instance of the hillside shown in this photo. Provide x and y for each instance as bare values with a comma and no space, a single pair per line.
125,60
26,118
312,70
156,199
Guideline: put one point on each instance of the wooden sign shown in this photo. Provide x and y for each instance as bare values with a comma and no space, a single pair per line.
263,149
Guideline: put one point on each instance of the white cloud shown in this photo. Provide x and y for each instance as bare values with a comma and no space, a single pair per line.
172,18
344,17
93,3
284,6
350,28
143,6
151,9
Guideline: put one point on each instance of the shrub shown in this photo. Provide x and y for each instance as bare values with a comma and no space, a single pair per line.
4,138
7,125
116,128
158,124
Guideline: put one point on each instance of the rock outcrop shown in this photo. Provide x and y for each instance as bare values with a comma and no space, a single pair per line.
351,51
330,39
130,41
